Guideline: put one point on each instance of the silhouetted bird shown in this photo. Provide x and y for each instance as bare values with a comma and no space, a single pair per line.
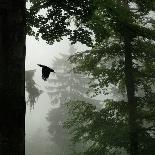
45,71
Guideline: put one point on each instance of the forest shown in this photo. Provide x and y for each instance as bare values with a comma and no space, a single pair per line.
103,97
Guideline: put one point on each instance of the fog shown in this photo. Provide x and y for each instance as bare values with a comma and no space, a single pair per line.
64,100
38,52
36,123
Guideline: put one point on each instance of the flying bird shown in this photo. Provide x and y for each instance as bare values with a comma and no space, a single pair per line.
45,71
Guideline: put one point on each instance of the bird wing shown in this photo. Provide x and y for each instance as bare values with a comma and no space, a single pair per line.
40,65
50,69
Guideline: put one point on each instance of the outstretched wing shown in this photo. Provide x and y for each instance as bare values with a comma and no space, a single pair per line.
41,65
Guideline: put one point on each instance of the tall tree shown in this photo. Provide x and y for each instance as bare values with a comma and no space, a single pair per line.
120,29
13,26
12,76
107,125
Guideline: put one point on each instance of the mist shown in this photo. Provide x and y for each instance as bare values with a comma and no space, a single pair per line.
38,138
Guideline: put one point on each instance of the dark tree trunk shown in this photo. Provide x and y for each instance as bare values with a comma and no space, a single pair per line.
128,36
12,77
129,81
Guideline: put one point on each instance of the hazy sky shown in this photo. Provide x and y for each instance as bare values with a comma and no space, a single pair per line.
41,52
38,52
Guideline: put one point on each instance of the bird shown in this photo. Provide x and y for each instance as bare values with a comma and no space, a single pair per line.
45,71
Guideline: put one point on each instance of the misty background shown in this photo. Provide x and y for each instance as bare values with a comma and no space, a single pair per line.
38,138
97,126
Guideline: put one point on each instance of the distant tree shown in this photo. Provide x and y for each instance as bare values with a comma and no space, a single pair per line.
65,86
31,89
60,139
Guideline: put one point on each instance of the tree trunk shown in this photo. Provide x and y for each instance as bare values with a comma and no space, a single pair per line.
129,81
12,77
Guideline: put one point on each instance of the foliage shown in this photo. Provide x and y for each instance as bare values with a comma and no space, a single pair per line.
120,28
99,128
55,21
123,27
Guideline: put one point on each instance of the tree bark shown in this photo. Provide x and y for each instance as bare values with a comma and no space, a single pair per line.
130,87
12,77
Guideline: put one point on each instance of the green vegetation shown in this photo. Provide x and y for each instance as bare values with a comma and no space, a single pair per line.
121,61
122,58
